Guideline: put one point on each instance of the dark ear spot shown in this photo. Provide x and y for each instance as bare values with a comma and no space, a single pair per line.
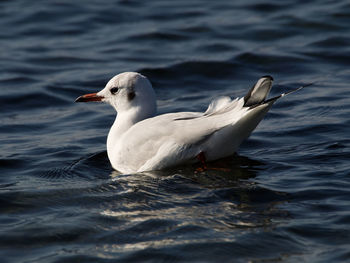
131,95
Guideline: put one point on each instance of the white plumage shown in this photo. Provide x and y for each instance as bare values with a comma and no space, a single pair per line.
141,141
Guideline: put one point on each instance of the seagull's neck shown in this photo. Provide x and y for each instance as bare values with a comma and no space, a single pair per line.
123,122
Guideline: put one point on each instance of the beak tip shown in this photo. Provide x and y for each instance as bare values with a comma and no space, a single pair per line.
89,97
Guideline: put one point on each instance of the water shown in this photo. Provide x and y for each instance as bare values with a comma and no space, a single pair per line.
287,198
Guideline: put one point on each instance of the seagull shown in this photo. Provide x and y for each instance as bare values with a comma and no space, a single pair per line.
140,140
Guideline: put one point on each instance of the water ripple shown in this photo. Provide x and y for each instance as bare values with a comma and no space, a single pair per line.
286,196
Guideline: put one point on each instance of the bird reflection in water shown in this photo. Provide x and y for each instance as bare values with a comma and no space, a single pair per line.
180,206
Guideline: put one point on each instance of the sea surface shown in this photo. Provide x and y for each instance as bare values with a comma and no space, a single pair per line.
287,196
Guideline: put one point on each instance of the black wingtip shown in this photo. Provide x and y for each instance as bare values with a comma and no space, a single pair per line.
268,77
258,92
288,92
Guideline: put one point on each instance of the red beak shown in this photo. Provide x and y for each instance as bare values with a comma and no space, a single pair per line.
89,97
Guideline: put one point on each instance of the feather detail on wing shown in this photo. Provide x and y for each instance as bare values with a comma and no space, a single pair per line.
218,104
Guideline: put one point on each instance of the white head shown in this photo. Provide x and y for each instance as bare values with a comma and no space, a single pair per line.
128,91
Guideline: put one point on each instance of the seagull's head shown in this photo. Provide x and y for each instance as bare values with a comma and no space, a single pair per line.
125,91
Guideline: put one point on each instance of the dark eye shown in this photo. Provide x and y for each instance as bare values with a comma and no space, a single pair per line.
114,90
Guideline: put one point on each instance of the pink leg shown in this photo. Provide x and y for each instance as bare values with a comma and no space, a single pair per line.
202,159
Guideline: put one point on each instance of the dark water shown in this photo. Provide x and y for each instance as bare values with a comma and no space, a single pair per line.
287,198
